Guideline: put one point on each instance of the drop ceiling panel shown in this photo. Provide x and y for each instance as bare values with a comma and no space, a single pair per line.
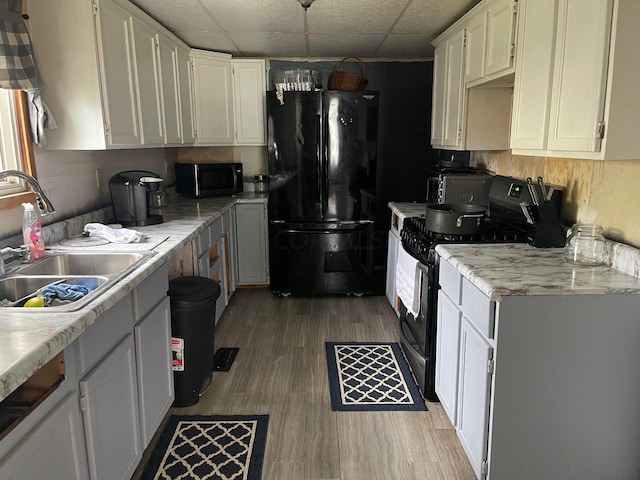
341,45
353,16
179,15
218,42
271,44
406,45
284,16
333,28
432,16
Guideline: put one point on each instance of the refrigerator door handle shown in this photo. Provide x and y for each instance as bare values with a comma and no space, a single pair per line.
319,148
325,164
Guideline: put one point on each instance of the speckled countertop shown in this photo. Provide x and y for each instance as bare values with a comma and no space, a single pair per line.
29,340
519,269
408,209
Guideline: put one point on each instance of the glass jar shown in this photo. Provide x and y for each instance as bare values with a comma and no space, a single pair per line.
585,245
261,184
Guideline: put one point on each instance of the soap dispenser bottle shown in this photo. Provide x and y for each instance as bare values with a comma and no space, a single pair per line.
32,232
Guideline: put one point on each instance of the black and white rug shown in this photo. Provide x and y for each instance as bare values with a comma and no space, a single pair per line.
210,448
370,377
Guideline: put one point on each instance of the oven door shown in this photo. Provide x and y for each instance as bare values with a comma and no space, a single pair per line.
418,334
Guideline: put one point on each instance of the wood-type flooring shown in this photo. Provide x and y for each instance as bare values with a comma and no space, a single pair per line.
281,371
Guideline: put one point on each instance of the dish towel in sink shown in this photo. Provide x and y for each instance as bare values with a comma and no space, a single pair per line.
64,291
408,281
114,235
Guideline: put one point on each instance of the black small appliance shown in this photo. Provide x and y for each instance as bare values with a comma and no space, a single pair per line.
130,197
200,180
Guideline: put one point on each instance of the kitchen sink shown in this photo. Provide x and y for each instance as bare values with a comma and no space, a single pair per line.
96,270
84,263
17,287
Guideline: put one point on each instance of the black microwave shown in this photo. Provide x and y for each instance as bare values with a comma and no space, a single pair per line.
208,179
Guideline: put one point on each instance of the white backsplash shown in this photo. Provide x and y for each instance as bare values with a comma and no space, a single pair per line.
69,180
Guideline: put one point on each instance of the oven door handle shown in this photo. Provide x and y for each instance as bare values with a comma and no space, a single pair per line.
423,268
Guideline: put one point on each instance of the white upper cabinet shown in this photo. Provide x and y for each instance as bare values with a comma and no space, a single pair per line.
229,99
249,90
568,103
500,42
490,42
168,62
148,89
448,93
117,75
104,82
454,91
474,54
472,80
213,98
532,92
186,96
437,106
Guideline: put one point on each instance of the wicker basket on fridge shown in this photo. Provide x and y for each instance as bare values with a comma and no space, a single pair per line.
340,80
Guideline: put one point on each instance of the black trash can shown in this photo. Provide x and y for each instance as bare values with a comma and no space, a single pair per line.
193,307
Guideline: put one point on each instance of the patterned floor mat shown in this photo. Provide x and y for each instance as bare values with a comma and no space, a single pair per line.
210,448
370,377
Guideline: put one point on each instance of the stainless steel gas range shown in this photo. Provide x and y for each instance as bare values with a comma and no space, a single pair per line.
509,198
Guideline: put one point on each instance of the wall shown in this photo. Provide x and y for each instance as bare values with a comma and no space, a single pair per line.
69,180
601,192
253,159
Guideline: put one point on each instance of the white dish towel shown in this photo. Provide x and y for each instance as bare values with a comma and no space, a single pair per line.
114,235
408,281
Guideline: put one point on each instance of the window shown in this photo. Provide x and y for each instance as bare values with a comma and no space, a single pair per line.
15,148
10,153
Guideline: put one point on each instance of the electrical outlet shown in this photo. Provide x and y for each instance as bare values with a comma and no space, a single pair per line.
99,179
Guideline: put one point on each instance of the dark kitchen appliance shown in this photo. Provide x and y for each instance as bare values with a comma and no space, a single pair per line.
470,187
208,179
322,167
506,223
130,197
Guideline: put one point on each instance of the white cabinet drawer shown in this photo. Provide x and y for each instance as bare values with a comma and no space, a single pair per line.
216,231
203,241
107,330
450,281
151,291
478,308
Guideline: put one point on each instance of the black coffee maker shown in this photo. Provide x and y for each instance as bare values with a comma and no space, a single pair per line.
130,197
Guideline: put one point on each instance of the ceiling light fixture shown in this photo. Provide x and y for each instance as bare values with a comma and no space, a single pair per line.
306,3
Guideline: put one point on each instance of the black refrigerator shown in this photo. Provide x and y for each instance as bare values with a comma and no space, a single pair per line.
322,149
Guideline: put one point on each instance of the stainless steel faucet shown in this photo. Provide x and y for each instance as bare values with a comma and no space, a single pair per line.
44,204
23,254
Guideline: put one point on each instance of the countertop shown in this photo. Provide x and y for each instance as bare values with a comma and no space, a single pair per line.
29,340
501,270
408,209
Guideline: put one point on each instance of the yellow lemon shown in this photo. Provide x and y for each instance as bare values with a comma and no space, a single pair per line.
35,302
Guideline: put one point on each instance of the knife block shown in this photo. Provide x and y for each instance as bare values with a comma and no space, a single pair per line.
546,232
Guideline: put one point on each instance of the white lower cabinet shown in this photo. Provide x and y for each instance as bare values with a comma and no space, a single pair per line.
392,257
474,385
210,255
54,449
230,247
118,387
532,372
155,384
447,353
109,399
464,362
251,234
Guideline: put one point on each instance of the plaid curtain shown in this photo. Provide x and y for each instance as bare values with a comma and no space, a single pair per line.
18,70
